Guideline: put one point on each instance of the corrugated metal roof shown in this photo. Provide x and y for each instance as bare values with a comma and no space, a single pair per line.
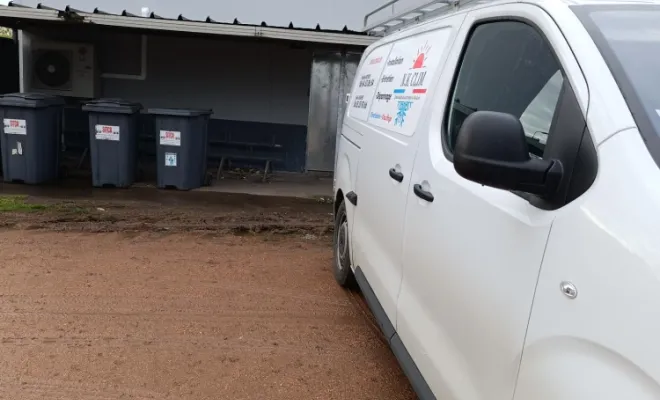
329,14
181,17
209,26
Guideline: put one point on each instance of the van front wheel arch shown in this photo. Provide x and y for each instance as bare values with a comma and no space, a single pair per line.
341,248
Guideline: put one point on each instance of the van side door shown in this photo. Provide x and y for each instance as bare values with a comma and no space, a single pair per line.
472,254
388,152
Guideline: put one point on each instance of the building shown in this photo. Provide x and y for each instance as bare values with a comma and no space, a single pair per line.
277,91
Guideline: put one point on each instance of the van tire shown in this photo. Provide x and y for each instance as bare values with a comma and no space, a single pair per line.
341,265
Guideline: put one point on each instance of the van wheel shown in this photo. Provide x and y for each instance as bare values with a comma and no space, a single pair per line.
342,255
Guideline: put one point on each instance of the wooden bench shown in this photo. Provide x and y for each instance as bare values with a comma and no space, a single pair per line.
241,151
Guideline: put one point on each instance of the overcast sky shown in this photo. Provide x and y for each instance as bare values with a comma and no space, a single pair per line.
331,14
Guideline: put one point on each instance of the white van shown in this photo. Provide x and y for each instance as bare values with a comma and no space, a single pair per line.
498,197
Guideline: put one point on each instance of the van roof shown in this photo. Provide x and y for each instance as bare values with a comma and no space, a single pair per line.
394,17
585,2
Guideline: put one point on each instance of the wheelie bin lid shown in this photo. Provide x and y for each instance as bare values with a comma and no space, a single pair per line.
112,106
30,100
179,112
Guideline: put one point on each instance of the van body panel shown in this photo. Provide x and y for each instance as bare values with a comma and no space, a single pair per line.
389,145
601,345
479,286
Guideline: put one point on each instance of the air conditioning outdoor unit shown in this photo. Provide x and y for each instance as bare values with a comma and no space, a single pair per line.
63,69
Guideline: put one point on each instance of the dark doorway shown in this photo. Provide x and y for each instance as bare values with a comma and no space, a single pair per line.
9,75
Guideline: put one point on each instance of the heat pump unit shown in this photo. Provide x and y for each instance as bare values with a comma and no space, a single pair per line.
63,69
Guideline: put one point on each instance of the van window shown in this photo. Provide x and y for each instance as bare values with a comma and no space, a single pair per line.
628,37
508,67
405,83
366,81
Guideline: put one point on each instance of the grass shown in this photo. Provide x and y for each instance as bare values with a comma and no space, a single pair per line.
18,203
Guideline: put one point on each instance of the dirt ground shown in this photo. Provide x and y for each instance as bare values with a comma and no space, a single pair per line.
151,210
144,295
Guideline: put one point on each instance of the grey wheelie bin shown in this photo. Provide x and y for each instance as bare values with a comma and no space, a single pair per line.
182,137
32,126
114,130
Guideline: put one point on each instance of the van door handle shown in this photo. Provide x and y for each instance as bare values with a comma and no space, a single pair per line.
422,194
396,175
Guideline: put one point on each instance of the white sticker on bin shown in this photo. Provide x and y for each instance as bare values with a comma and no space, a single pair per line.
170,138
170,159
107,132
15,126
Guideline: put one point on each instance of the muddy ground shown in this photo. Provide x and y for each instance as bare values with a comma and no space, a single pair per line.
145,295
150,210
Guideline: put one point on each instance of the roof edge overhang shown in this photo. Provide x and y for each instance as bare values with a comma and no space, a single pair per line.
17,15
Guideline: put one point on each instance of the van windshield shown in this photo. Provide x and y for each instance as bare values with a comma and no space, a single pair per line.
628,36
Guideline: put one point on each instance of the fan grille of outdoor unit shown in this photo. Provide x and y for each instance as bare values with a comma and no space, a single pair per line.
52,68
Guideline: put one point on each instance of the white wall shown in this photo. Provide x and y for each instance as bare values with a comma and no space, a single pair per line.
247,81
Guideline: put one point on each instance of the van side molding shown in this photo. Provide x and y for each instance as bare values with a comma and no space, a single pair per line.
417,381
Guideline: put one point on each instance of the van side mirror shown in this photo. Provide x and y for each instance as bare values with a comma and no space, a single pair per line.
491,149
